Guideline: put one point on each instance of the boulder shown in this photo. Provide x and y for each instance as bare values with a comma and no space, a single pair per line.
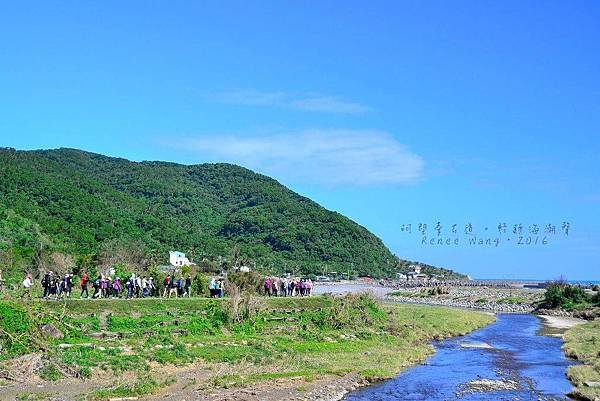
49,330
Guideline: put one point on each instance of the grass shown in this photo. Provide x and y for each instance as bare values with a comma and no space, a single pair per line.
283,338
42,395
239,380
50,373
143,385
583,343
514,300
420,294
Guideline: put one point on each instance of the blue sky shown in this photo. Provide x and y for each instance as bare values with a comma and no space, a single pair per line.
388,112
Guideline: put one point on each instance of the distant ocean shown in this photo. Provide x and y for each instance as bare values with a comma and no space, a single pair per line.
518,280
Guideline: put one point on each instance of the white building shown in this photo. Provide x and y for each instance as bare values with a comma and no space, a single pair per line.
416,274
178,259
416,268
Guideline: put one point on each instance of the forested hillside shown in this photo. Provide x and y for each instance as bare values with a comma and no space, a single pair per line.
73,207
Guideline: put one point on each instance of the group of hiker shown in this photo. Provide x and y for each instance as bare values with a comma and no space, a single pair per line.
53,285
216,287
179,287
287,287
57,287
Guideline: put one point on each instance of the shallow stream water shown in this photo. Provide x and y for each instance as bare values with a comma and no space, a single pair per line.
533,364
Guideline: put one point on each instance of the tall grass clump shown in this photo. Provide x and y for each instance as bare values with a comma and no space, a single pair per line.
16,330
243,305
351,311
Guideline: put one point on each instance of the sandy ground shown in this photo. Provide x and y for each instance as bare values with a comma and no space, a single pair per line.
560,322
327,388
345,287
191,386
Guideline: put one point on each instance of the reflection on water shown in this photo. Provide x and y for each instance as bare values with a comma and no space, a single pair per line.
534,364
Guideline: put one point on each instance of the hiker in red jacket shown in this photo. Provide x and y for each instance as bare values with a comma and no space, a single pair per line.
84,285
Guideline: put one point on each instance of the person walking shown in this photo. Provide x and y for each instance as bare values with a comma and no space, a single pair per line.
54,288
130,286
68,285
284,286
173,287
103,287
267,286
167,285
145,288
46,283
97,287
221,285
212,284
138,287
116,285
27,284
83,283
180,283
151,286
187,287
109,287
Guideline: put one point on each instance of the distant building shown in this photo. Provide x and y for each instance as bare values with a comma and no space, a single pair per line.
415,268
178,259
401,277
416,274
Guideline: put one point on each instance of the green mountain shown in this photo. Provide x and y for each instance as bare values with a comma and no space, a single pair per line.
92,206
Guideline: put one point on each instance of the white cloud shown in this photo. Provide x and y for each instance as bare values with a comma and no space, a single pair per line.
251,98
328,157
328,104
308,102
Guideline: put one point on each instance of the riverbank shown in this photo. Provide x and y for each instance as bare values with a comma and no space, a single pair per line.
582,343
481,298
199,349
560,322
506,360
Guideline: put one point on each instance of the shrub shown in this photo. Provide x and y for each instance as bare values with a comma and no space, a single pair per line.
250,282
351,311
16,329
50,373
242,306
560,294
200,285
216,313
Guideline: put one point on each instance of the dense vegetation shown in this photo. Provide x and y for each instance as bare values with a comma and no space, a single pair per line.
321,335
559,294
79,210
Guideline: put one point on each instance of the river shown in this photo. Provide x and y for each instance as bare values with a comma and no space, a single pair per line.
530,364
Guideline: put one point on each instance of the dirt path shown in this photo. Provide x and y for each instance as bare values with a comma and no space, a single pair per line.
328,388
67,389
191,385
